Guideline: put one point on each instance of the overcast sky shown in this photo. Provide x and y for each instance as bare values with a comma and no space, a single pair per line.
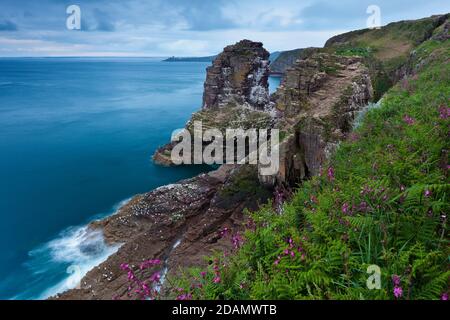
187,27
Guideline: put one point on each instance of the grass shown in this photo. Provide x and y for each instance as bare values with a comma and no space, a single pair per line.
386,49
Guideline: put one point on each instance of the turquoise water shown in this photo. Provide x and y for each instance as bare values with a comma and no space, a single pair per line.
76,139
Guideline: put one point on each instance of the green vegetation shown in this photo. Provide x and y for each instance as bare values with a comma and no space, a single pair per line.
353,51
386,49
245,185
381,200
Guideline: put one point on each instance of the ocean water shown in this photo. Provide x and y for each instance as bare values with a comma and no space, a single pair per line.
76,139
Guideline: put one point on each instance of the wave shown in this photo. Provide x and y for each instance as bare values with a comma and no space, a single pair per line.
69,257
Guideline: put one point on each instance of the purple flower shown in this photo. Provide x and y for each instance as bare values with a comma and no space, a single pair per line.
217,279
186,296
396,280
330,174
345,208
409,120
224,232
203,274
363,206
237,241
277,261
353,137
131,275
444,112
427,193
444,296
155,277
398,292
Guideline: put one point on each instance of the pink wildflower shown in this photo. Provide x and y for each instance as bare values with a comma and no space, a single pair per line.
444,112
409,120
155,277
427,193
277,261
237,241
186,296
224,232
398,292
217,279
396,280
330,173
345,208
444,296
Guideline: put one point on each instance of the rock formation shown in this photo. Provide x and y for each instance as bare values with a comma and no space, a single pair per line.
287,58
317,102
238,76
236,93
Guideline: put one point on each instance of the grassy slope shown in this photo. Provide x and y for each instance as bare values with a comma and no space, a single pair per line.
384,202
385,49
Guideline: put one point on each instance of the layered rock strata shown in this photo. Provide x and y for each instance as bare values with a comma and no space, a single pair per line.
317,102
236,94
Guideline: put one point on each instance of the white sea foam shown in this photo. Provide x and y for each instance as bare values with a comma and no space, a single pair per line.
79,249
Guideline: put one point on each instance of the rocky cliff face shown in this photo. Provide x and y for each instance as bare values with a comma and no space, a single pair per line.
238,76
236,93
317,102
286,59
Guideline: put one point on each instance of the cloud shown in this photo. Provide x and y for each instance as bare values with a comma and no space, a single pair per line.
8,25
194,27
327,14
104,21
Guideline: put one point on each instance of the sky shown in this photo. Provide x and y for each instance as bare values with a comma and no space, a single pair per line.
187,27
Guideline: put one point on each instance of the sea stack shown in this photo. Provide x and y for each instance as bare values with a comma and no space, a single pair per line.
238,76
236,93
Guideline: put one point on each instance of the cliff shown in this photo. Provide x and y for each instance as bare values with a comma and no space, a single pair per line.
317,102
238,76
236,93
286,59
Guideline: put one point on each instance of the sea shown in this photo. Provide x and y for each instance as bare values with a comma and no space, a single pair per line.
76,140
